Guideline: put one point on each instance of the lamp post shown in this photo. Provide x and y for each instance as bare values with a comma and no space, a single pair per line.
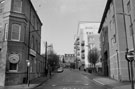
46,71
28,65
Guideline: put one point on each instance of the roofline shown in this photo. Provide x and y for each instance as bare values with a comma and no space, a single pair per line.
83,22
104,14
35,11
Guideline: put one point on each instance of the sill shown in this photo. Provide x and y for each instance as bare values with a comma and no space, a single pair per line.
13,71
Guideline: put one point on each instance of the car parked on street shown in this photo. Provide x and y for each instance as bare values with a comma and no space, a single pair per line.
60,69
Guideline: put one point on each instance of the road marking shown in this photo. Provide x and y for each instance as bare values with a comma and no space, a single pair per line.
98,82
53,85
86,84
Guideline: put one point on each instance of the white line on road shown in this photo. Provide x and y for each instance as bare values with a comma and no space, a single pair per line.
98,82
86,84
53,85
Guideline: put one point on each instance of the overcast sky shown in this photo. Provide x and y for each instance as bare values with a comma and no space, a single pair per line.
60,19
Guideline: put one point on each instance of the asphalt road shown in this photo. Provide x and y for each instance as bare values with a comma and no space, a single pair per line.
70,79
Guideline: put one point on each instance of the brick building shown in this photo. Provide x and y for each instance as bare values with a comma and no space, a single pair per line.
20,39
117,30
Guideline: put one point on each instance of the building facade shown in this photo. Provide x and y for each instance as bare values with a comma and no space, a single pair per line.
116,36
20,39
69,59
87,39
50,49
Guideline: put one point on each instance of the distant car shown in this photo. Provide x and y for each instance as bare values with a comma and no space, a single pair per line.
59,70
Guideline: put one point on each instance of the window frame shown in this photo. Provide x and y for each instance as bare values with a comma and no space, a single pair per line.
19,32
20,8
6,31
16,70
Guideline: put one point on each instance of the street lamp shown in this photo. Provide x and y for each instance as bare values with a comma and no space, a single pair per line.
28,65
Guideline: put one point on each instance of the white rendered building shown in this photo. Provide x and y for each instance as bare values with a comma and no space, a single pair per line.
88,39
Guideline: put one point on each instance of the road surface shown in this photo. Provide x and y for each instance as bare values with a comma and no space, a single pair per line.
70,79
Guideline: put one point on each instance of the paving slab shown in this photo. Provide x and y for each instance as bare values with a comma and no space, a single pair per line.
22,86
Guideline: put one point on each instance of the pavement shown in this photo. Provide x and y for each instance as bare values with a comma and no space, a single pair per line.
109,82
33,83
105,81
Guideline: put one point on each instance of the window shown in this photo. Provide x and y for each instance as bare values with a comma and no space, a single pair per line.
37,25
13,67
17,6
32,43
31,69
6,32
25,33
37,45
2,5
33,20
15,34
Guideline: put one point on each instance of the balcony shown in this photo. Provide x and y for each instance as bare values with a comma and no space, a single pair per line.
82,43
83,56
78,43
82,50
78,54
77,39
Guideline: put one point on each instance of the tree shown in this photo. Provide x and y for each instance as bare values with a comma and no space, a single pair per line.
93,56
53,60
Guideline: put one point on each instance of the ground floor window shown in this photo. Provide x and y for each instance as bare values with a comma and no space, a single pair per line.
13,67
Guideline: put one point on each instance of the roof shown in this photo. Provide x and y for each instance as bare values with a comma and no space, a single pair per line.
35,11
104,14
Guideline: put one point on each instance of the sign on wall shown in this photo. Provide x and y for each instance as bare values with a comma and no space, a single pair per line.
14,58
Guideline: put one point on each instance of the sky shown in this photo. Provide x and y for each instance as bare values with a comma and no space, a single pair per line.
60,20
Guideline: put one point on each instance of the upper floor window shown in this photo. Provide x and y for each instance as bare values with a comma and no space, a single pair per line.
6,32
32,43
17,6
34,20
16,30
37,45
2,6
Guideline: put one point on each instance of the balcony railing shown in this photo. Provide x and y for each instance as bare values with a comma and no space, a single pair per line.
82,44
83,50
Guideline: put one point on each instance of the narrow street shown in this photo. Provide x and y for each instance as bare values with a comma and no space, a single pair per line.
70,79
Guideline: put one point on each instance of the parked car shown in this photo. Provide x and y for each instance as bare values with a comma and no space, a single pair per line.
59,70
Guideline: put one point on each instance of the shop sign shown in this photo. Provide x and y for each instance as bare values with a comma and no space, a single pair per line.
32,52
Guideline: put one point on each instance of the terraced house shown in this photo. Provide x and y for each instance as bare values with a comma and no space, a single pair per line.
20,39
117,30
